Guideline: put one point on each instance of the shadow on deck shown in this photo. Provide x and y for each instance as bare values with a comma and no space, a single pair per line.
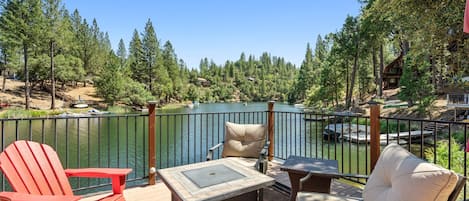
278,192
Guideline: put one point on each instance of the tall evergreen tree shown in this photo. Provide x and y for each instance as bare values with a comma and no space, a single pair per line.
84,48
170,62
22,24
53,31
136,59
121,52
151,52
111,84
305,78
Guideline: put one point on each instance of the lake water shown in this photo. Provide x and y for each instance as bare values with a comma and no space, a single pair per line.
182,136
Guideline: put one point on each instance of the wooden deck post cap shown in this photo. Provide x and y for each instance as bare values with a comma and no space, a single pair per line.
152,102
374,102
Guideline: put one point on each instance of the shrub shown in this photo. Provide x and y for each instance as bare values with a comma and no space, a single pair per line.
458,137
136,94
386,126
426,104
442,155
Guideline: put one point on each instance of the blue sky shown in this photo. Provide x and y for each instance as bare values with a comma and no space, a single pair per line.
221,29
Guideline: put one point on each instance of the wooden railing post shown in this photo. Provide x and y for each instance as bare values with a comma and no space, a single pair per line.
151,143
374,134
270,128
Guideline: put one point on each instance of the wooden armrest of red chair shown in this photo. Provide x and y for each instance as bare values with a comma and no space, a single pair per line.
14,196
116,174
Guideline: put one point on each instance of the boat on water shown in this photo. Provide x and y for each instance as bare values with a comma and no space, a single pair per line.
97,112
190,105
71,114
299,106
80,105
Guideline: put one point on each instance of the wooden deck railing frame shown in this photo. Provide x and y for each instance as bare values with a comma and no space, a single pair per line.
151,143
374,138
270,128
374,134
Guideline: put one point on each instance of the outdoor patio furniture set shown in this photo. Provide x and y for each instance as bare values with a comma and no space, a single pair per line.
34,171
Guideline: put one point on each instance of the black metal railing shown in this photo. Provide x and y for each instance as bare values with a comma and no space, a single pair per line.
457,99
86,141
346,138
184,138
323,136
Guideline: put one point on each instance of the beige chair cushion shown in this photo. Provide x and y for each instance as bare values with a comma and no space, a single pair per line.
312,196
399,175
244,140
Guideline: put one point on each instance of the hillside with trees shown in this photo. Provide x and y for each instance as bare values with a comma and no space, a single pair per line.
347,66
48,47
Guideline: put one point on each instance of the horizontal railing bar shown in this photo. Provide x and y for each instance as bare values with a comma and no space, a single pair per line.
72,117
207,113
425,120
183,138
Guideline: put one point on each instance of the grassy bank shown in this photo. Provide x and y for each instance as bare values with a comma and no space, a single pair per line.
173,106
22,113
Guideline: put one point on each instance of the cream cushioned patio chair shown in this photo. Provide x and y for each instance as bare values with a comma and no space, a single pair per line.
400,175
247,141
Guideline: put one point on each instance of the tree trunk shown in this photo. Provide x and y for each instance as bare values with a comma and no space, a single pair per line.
52,76
4,71
4,80
336,92
381,70
432,60
347,80
375,66
352,79
150,77
26,76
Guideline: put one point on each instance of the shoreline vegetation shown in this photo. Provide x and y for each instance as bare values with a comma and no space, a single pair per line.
23,113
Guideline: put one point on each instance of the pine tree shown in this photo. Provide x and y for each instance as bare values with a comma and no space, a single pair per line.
53,32
111,84
170,62
136,59
122,52
415,81
22,24
305,78
84,46
151,52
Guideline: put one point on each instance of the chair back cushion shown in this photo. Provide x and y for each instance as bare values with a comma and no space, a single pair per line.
400,175
34,168
244,140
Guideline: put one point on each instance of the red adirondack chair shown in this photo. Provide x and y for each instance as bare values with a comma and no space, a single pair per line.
35,173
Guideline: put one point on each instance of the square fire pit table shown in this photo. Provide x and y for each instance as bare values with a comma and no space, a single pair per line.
298,167
223,179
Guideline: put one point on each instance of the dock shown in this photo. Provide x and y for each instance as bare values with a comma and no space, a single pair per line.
319,118
402,137
361,134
